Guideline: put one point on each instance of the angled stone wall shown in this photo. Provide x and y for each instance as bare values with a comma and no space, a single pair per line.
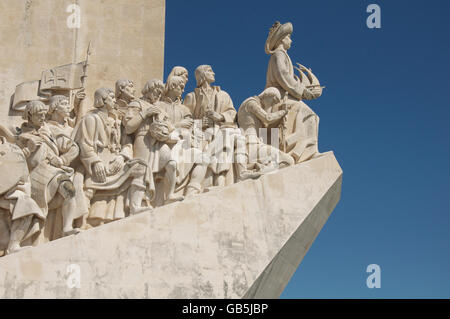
242,241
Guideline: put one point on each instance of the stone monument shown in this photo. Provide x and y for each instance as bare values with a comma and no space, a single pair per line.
108,194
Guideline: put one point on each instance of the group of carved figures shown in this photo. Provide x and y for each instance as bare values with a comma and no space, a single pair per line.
128,155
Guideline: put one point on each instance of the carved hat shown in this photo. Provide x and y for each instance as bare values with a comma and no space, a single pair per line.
276,34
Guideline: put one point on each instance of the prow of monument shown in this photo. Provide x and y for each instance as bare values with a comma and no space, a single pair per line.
110,193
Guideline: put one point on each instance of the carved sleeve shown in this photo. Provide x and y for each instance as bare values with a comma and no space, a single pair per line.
127,146
266,118
71,154
187,114
40,155
227,108
190,102
133,119
283,76
86,139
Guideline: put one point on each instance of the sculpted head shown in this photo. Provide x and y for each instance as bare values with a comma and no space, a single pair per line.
279,36
174,87
35,113
270,97
179,71
104,98
204,73
153,90
59,106
286,42
125,90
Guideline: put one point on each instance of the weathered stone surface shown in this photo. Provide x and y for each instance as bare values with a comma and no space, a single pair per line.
127,41
245,240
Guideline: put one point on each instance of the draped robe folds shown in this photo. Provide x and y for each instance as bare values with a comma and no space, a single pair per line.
16,201
46,178
101,139
219,139
182,152
251,118
69,152
302,125
156,154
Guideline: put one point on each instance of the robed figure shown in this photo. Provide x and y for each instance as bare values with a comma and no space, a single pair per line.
107,157
299,133
214,107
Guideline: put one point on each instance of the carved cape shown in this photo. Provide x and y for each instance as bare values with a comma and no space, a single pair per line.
302,127
100,139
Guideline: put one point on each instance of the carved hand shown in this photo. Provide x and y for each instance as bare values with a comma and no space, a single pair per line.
56,161
100,172
80,95
117,165
281,114
186,123
274,117
32,145
207,122
152,110
216,117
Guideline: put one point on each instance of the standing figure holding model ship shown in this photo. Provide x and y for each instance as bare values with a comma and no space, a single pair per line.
300,130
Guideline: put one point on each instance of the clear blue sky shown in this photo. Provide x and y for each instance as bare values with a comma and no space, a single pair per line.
385,113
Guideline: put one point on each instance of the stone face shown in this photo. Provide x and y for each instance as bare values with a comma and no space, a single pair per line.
244,240
127,41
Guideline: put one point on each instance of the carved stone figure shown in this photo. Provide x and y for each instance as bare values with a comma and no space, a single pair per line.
254,114
151,128
107,158
51,177
17,209
190,173
215,109
302,125
72,169
59,124
181,72
179,114
124,93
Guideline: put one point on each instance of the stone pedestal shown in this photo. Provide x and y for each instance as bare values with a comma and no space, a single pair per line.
242,241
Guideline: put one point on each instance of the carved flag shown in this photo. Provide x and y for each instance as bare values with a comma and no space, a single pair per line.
25,92
66,77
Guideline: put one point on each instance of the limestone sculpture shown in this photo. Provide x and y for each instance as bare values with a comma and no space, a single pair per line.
17,209
215,109
254,114
69,169
108,161
152,143
179,71
299,134
48,157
